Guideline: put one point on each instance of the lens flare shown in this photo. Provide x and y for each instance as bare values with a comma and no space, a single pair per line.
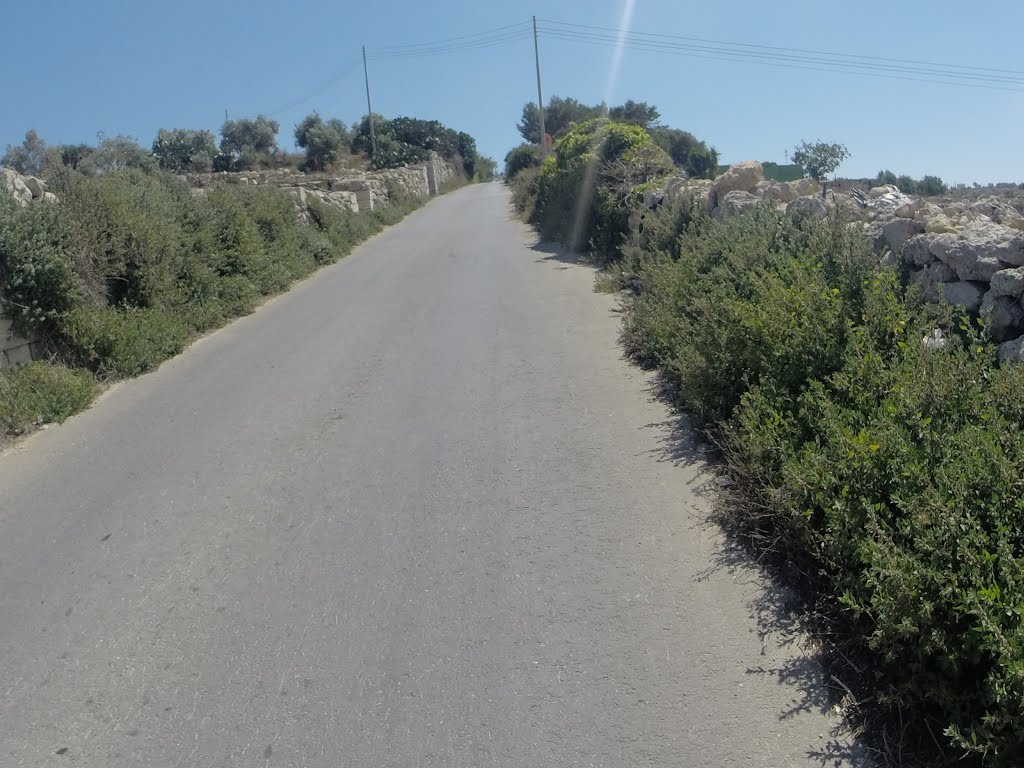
590,173
625,25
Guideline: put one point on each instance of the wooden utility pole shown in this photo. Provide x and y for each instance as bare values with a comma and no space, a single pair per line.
369,107
540,96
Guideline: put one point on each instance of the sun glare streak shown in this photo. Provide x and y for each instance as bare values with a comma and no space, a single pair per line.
626,23
590,173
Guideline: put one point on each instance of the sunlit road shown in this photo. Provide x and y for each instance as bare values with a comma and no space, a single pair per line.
416,512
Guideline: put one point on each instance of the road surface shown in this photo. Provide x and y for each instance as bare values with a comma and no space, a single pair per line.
416,512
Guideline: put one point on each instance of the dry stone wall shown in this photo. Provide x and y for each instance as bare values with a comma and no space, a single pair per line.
966,253
351,189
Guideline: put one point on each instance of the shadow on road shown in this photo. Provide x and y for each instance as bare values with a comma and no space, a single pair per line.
555,252
814,671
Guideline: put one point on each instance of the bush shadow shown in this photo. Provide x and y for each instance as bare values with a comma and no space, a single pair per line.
814,670
548,252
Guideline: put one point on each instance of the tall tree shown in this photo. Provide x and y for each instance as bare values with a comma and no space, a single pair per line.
28,157
181,150
324,142
558,117
636,113
248,143
687,151
820,159
114,153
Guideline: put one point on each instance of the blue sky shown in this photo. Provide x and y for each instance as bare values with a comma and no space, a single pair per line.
75,68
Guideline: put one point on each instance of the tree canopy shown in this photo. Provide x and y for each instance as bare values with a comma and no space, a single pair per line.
559,117
247,143
28,157
181,150
820,159
636,113
323,141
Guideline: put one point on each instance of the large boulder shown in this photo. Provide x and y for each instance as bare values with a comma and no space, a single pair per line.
734,203
939,224
883,190
787,191
1004,316
884,202
963,293
847,206
36,186
741,177
1012,351
999,211
927,211
909,209
930,277
872,230
917,251
898,231
808,206
805,187
14,183
1008,282
991,239
979,251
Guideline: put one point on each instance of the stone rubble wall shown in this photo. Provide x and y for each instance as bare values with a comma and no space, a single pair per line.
965,253
351,189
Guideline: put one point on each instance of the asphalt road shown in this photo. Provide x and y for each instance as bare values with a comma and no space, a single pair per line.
416,512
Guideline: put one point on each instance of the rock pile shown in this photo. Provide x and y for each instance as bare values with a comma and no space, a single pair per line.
25,189
966,253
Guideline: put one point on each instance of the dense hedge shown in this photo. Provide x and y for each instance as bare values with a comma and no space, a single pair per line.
128,266
891,473
591,181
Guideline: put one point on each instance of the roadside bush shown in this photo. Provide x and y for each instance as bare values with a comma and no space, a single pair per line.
38,393
125,341
888,474
524,191
593,180
520,158
37,278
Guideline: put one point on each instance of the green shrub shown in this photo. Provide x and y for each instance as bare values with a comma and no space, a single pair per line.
129,265
593,180
520,158
890,474
37,278
38,393
123,341
761,295
525,188
129,234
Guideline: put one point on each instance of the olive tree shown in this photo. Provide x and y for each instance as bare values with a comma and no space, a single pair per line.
323,141
181,150
820,159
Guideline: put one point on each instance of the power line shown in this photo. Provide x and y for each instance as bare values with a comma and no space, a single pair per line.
793,64
478,43
523,25
792,61
779,48
319,89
